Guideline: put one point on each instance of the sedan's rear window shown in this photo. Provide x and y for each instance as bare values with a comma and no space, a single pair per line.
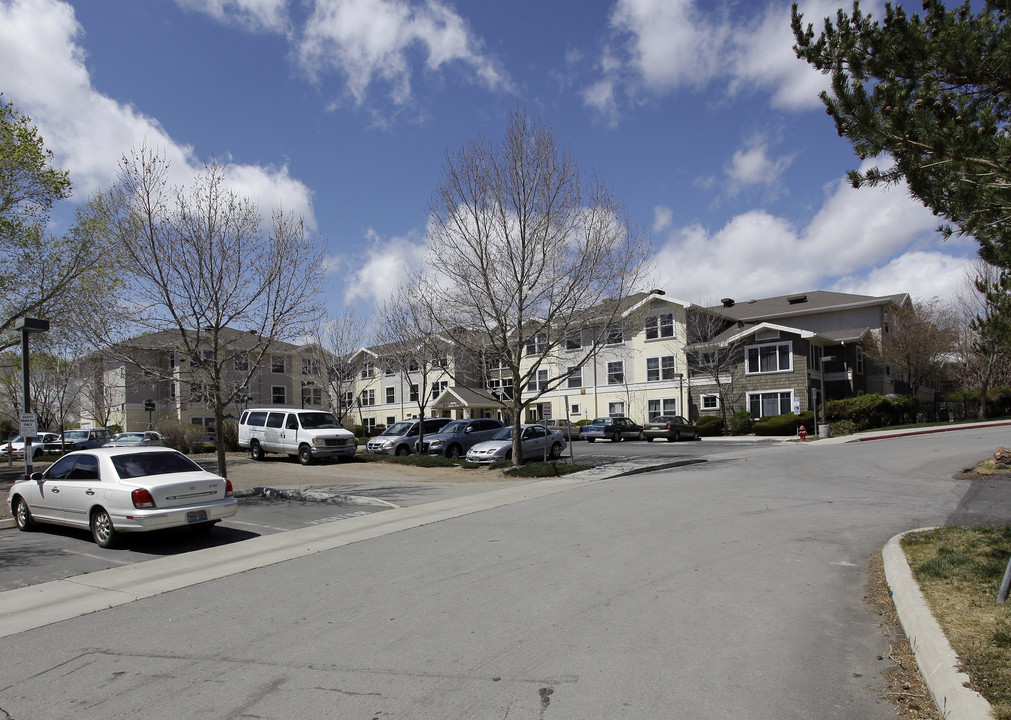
137,465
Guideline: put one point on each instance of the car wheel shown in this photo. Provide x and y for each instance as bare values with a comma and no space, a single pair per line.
402,450
642,435
616,437
37,453
677,437
305,455
453,453
556,451
255,451
23,516
508,455
649,439
590,440
102,531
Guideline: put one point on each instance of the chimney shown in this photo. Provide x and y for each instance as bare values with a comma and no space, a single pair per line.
727,302
657,291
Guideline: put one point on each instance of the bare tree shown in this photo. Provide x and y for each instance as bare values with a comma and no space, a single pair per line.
334,341
918,344
203,268
412,346
716,355
525,253
982,359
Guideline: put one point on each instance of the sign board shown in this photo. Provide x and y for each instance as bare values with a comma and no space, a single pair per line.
29,425
796,405
545,411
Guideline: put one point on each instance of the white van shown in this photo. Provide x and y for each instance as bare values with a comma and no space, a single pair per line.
306,434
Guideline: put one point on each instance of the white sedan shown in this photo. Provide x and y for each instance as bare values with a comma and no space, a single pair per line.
536,443
119,490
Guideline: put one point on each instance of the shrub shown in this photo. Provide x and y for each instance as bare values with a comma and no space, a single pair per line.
172,433
842,427
872,411
741,423
785,424
230,432
709,425
115,429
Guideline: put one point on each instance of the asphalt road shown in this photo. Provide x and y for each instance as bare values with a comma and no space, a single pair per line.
731,588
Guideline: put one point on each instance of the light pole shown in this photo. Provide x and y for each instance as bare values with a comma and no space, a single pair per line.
26,326
681,394
824,359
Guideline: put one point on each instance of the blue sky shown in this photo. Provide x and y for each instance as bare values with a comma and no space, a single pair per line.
698,115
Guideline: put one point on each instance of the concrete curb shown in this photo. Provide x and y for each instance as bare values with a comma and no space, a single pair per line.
937,661
930,431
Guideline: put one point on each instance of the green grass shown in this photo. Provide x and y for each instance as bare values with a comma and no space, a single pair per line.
960,570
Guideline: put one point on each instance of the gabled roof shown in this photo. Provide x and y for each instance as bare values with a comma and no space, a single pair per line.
805,303
635,302
466,397
231,338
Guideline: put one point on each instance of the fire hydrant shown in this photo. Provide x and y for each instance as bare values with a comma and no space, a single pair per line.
802,431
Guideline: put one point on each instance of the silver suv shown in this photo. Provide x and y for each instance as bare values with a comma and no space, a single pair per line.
84,439
401,437
458,437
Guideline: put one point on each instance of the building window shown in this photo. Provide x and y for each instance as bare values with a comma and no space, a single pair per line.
367,397
391,395
414,393
348,399
389,370
241,362
659,326
539,382
537,344
574,340
574,410
575,380
207,423
201,357
390,419
368,370
369,425
616,409
278,394
777,357
664,406
814,356
312,396
859,360
766,404
277,364
501,388
198,392
616,372
311,366
442,361
614,335
438,387
661,368
710,402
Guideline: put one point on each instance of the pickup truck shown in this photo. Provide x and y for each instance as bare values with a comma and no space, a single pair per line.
614,429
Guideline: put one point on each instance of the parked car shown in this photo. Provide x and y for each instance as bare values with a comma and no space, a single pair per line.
457,437
16,446
535,441
614,429
566,428
148,438
309,435
80,440
670,428
401,437
110,491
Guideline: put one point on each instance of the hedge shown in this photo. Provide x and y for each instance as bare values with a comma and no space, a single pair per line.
786,424
710,425
866,412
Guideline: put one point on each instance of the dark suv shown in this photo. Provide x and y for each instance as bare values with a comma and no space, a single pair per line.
401,437
456,438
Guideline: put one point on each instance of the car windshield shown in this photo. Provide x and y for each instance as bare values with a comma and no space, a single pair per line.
603,421
130,438
399,428
503,434
16,440
455,427
662,419
75,435
142,464
317,420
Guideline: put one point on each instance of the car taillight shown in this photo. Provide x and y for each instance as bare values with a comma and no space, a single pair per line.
142,498
228,488
667,426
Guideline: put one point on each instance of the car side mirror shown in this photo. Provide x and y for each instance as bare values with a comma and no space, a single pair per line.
36,476
468,430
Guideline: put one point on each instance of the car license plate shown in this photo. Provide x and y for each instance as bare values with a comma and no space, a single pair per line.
196,516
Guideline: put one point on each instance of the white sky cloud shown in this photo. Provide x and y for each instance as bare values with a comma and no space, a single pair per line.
878,232
753,166
369,41
256,15
382,267
88,132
